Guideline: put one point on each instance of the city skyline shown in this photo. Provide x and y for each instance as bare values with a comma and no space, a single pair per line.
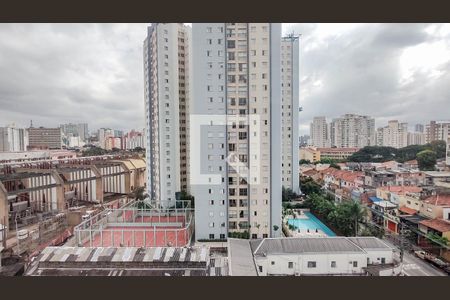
96,71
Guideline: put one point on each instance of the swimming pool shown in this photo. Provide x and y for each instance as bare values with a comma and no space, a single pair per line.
311,223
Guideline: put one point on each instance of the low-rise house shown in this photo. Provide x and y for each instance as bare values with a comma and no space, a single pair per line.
307,256
432,207
435,178
379,178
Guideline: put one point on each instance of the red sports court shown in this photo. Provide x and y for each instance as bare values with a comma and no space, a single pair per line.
135,227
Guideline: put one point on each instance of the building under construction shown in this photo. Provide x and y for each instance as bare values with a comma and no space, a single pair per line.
36,190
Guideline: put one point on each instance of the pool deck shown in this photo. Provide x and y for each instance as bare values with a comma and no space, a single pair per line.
309,232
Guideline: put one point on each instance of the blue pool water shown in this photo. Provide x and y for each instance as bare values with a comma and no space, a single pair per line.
310,223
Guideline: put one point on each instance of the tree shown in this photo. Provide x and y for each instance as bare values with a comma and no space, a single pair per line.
426,160
140,195
287,194
275,227
304,161
439,147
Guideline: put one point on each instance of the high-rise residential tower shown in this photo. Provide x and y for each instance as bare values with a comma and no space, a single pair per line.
319,132
394,135
236,117
353,131
166,74
290,112
437,131
13,139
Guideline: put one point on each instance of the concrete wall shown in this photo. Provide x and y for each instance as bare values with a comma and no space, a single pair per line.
280,264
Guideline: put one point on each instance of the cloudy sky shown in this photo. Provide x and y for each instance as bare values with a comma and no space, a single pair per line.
59,73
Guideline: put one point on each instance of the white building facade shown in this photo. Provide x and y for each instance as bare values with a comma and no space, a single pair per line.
166,76
236,115
13,139
352,131
394,135
319,132
290,112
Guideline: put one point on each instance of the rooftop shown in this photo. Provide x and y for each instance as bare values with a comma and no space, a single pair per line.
401,189
369,243
240,258
407,210
129,259
439,200
306,245
437,224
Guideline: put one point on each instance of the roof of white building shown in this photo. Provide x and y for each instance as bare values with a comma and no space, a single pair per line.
240,258
370,243
305,245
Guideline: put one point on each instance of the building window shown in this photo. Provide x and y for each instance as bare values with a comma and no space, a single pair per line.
272,263
311,264
211,236
222,236
290,265
333,264
355,264
260,269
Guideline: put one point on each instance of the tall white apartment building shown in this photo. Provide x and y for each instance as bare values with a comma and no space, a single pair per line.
394,135
416,138
166,76
290,112
236,117
353,131
103,135
13,139
319,132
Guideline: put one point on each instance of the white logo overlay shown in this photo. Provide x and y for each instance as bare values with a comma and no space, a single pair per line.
212,130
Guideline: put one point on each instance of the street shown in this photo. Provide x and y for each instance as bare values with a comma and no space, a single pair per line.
414,266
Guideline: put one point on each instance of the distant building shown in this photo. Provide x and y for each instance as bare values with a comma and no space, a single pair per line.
309,153
437,130
304,140
419,128
352,131
319,132
416,138
13,139
336,153
112,142
103,135
448,149
394,135
45,138
133,139
75,130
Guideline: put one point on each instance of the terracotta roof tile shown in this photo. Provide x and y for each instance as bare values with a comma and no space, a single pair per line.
437,224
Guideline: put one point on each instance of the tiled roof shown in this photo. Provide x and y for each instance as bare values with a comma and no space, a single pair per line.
440,200
401,189
407,210
437,224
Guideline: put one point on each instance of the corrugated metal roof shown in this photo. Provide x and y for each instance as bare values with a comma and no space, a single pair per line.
369,243
124,254
306,245
240,257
